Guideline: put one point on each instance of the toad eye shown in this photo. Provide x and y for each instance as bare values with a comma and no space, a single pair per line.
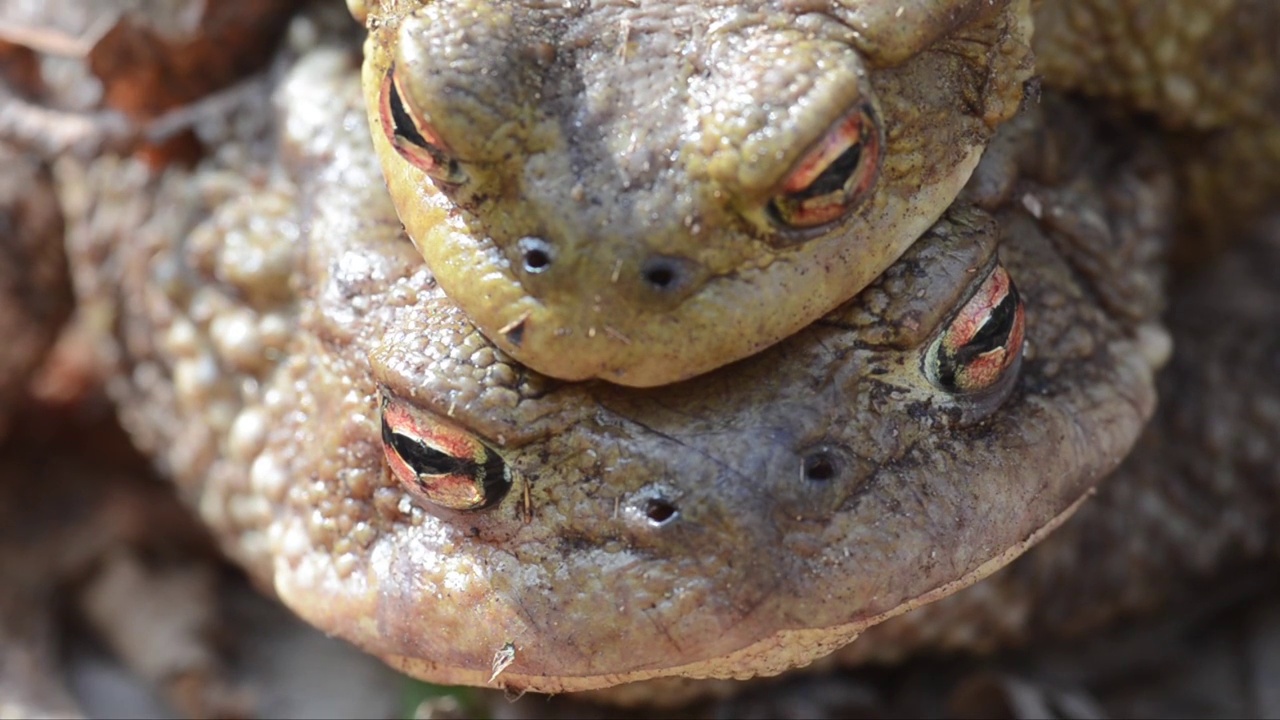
834,177
983,343
411,135
439,463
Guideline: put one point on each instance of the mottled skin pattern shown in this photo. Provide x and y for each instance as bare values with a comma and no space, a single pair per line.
633,135
262,308
1204,70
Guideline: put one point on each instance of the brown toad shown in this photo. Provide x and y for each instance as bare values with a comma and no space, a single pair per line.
1205,73
362,448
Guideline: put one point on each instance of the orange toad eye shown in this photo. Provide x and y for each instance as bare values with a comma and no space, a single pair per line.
412,137
438,463
834,177
984,340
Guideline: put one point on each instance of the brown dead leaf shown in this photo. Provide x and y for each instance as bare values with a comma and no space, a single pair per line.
146,70
20,69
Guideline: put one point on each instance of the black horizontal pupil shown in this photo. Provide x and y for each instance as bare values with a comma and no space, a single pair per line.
994,333
404,125
424,460
833,179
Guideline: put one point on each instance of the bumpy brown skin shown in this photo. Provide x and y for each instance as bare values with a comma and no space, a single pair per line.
1198,498
85,529
35,291
629,134
1202,490
254,348
1205,70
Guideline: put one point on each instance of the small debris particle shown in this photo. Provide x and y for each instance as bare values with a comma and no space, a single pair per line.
502,660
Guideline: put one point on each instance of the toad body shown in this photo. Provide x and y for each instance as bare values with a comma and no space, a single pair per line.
400,481
644,191
1203,72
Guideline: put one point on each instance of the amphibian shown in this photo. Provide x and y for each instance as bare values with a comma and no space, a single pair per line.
1194,501
401,482
1205,73
644,191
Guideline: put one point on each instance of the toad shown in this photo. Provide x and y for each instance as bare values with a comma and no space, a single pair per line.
400,481
644,191
1202,72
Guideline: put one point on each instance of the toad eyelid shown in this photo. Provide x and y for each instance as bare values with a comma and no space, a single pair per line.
833,177
439,464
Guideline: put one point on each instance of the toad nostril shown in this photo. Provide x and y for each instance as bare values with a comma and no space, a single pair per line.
536,260
819,466
659,511
667,274
536,253
660,277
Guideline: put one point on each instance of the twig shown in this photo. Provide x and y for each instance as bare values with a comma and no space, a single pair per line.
54,132
53,42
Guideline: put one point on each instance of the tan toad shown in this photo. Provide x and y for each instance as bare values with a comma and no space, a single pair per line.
644,191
